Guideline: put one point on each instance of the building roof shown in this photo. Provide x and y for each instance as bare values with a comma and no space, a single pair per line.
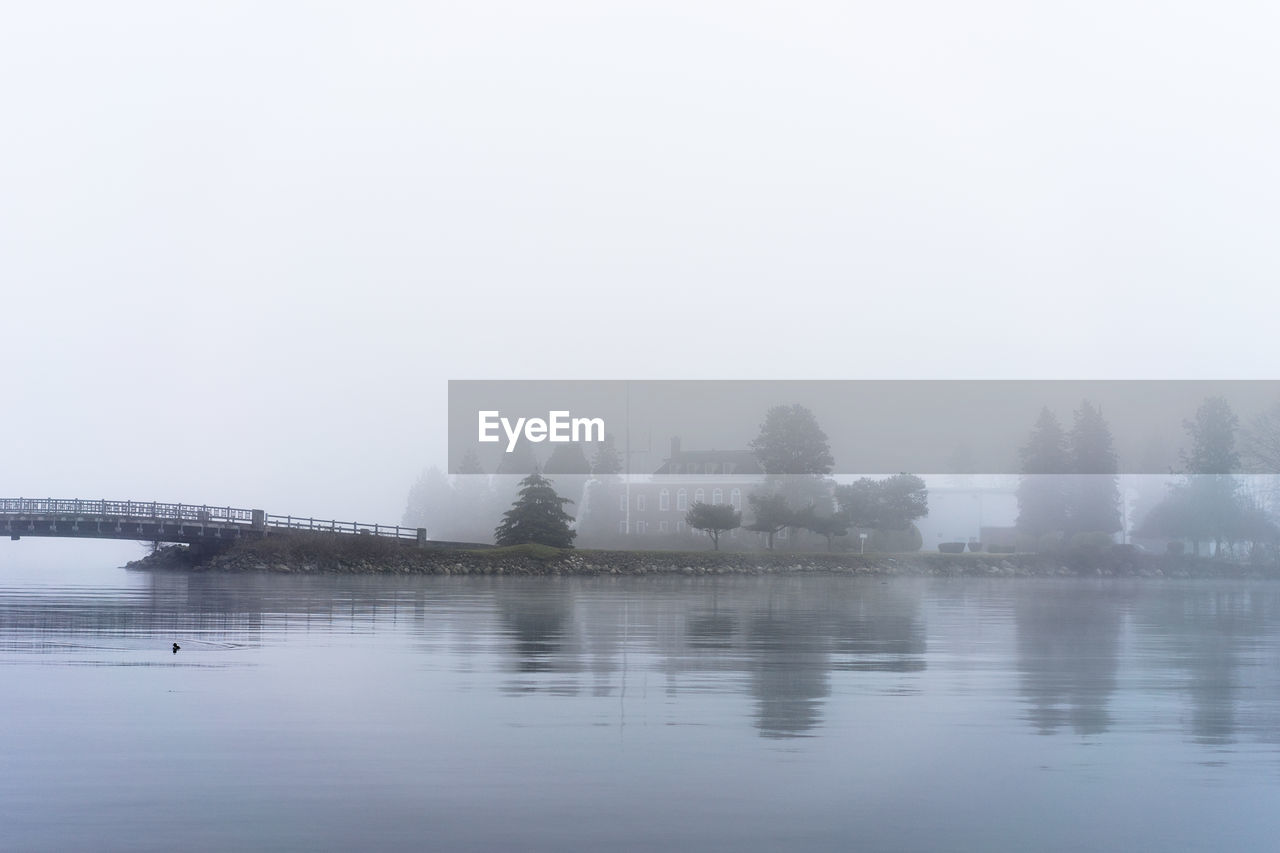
711,462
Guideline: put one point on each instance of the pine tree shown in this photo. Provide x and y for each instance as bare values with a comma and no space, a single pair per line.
470,464
430,503
1042,489
1093,498
537,516
1212,491
475,508
607,461
1213,439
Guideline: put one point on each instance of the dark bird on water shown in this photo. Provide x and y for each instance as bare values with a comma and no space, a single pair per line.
175,648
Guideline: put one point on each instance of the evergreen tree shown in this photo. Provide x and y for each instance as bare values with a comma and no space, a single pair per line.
474,507
537,516
1093,497
470,464
568,459
1211,491
1042,489
607,461
1262,442
1213,439
519,462
430,504
714,519
791,442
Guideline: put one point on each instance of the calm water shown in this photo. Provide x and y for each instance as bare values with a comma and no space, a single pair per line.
737,714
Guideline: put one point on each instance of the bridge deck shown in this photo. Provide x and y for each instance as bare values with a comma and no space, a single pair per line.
168,522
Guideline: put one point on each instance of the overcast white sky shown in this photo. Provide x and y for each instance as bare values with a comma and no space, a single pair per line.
243,246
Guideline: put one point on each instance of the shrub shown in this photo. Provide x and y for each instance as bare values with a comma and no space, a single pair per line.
894,541
1091,541
951,547
1175,548
1049,543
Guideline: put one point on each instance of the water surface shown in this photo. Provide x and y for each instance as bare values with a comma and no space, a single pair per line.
736,713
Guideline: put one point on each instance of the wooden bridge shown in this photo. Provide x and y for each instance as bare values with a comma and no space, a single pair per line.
163,522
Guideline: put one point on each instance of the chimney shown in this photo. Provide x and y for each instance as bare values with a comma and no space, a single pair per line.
675,446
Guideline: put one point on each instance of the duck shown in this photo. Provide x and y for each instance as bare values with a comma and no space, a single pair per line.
175,648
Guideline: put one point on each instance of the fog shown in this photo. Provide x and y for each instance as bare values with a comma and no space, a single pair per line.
243,248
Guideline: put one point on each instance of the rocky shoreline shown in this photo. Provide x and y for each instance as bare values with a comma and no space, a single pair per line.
302,556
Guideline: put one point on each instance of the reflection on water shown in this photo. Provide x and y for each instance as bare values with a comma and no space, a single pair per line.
1068,650
785,707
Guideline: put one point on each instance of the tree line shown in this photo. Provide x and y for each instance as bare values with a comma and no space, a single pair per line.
1069,495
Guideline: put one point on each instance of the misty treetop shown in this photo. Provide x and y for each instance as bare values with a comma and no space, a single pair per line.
520,461
568,460
1213,439
536,517
607,461
1261,441
470,464
893,503
791,442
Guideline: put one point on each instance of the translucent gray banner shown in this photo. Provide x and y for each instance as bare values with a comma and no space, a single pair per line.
871,427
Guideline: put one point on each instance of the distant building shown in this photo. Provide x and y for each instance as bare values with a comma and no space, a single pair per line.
655,505
984,509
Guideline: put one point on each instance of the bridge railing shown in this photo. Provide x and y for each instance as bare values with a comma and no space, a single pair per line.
200,514
328,526
126,509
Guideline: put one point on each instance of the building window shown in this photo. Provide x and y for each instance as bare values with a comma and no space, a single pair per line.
662,527
664,500
692,468
640,503
679,527
735,498
699,496
682,500
717,496
622,526
641,527
622,503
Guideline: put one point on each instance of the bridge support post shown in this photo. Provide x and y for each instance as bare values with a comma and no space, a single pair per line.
259,519
422,537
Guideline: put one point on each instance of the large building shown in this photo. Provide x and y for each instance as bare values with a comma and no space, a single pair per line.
654,506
